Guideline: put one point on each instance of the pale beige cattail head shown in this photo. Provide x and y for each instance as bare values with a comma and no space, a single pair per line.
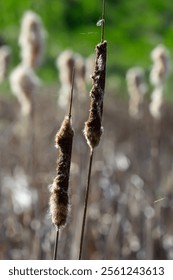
161,65
80,71
5,53
90,61
136,88
156,103
65,63
32,39
23,82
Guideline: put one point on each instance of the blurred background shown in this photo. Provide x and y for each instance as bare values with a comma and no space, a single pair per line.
131,200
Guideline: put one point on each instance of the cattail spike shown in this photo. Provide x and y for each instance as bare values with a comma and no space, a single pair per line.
71,94
59,194
59,200
93,128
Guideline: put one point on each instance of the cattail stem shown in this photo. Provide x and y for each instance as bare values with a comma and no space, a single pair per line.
103,21
56,244
85,204
71,93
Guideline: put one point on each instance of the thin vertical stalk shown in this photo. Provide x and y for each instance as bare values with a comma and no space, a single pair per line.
71,93
56,244
86,204
103,21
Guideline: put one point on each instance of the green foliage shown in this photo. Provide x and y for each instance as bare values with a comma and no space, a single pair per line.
132,29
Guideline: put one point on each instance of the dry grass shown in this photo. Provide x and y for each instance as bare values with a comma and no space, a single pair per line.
128,216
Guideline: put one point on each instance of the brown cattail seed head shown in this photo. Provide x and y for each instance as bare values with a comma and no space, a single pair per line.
59,201
93,128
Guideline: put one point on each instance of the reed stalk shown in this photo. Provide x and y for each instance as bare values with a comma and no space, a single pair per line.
93,126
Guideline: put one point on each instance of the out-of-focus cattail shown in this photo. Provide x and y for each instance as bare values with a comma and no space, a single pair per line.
65,64
158,75
59,202
80,71
93,128
156,102
161,65
137,89
5,53
23,82
32,39
89,62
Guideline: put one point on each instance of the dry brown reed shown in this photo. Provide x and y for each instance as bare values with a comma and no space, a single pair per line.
59,198
93,126
59,192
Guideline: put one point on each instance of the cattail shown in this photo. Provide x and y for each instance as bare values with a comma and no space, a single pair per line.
23,83
65,64
137,89
93,128
80,70
32,39
156,103
158,75
161,65
59,202
89,65
5,53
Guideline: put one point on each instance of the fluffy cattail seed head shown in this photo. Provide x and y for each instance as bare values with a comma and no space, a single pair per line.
93,128
137,89
5,53
32,39
161,65
65,64
80,70
90,60
24,82
59,202
156,103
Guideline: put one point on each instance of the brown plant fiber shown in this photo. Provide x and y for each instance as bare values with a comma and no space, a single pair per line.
93,127
59,200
